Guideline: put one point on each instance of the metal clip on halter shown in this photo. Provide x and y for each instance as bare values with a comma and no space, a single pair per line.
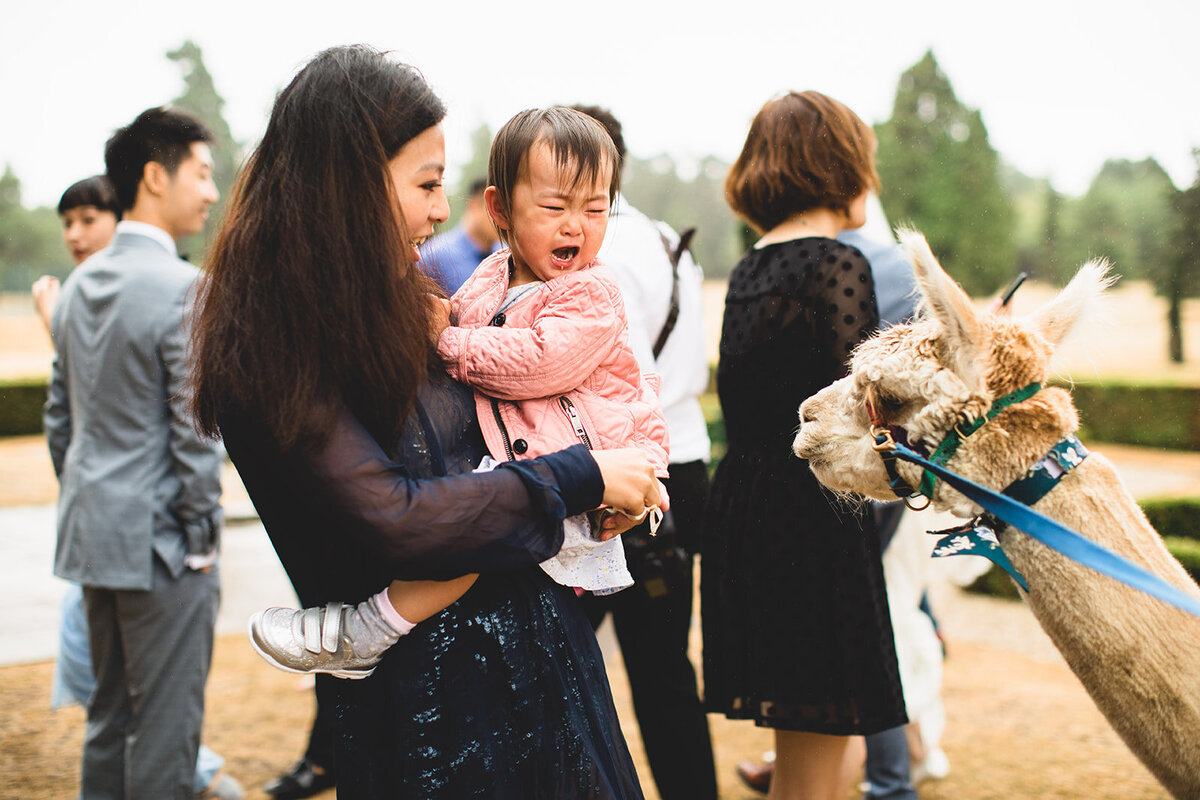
885,445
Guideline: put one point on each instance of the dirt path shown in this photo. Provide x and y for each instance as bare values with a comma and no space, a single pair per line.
1017,727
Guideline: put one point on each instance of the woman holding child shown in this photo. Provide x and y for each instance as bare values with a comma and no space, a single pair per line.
316,363
797,635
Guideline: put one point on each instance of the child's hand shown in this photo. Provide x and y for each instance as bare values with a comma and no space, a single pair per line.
439,320
616,524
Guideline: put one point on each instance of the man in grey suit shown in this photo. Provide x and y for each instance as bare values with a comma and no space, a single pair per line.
138,510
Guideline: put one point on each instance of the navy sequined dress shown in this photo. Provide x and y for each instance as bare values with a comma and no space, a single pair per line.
504,693
797,634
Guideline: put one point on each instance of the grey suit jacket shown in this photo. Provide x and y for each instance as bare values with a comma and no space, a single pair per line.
135,479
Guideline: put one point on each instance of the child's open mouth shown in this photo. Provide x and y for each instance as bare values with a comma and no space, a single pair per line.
563,256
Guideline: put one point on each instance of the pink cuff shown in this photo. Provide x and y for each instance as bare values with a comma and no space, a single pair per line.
391,616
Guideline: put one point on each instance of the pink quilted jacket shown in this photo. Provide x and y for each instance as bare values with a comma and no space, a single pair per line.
556,368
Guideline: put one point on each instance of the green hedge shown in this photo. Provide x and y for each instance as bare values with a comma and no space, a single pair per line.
995,583
1145,415
21,407
1149,416
1188,553
1176,519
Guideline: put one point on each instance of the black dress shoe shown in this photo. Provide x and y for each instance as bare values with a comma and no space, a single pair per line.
302,781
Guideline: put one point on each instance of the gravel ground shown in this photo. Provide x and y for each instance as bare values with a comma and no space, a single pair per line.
1019,725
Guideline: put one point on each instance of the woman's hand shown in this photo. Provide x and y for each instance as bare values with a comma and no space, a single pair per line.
629,482
45,295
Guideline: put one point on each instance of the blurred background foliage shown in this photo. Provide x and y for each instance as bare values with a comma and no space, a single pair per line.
984,219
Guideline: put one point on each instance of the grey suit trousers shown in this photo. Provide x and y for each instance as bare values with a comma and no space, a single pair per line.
151,652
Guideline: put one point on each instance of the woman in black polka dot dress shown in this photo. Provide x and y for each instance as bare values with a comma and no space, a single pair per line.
797,634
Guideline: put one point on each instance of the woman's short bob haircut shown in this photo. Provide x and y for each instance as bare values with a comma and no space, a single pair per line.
580,145
95,191
804,150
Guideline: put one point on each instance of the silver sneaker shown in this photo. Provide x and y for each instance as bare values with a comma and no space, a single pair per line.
309,640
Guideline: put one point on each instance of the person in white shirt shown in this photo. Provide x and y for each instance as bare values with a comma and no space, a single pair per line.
652,619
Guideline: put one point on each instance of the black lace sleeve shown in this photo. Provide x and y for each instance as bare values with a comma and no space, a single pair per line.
843,301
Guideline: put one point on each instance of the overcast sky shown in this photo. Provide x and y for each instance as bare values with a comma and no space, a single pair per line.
1062,86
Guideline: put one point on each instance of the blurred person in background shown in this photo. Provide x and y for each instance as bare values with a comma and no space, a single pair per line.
139,517
90,212
891,765
450,258
652,619
797,632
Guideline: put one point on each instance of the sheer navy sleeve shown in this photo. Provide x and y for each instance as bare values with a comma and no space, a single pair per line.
346,516
444,526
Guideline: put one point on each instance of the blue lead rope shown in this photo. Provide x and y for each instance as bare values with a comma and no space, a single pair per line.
1059,537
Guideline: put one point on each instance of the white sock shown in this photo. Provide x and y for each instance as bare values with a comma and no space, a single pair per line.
391,616
374,625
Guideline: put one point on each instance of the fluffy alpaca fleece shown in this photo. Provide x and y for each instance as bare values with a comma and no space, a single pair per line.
1138,657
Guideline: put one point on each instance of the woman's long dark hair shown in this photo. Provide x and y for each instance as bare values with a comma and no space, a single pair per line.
311,296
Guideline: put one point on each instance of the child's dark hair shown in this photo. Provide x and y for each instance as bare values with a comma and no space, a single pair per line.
610,123
94,191
576,141
163,135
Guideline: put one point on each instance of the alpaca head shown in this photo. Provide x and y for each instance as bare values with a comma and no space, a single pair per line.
943,369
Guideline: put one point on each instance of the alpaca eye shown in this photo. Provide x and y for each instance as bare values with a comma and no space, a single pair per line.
890,402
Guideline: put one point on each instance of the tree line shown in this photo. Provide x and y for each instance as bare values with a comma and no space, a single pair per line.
984,219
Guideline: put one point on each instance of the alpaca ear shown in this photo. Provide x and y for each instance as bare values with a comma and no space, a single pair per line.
1058,318
949,305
